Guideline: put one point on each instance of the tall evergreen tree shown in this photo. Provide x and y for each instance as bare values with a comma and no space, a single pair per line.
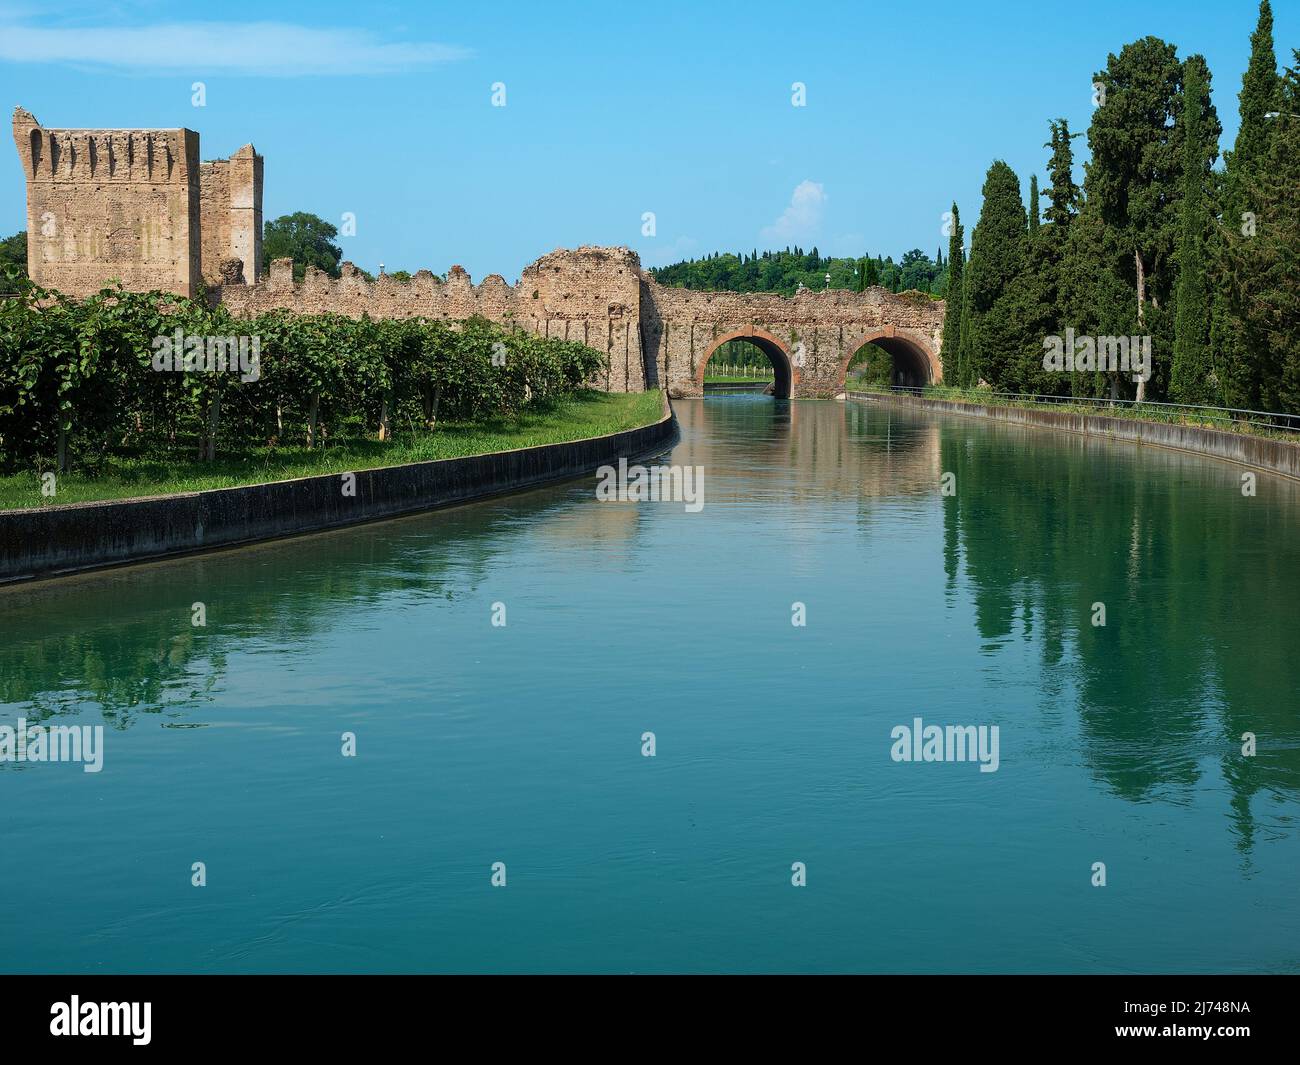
1063,196
1135,179
950,353
1033,204
1193,378
1261,291
1259,89
1243,369
997,261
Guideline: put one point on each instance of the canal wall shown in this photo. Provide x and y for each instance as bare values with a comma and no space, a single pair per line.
75,537
1261,453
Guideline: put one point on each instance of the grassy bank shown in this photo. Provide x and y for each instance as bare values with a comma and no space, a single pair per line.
125,477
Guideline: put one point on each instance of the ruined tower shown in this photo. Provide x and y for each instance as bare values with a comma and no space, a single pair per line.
135,205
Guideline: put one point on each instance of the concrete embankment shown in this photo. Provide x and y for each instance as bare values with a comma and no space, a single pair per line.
56,540
1258,452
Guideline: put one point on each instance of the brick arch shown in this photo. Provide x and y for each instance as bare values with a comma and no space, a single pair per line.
787,374
913,349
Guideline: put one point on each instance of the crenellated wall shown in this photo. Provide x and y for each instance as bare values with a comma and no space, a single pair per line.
654,336
135,205
589,295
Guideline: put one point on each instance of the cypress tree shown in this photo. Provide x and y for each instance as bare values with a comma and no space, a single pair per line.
1192,378
1259,89
1261,293
1243,370
1033,204
951,344
991,334
1135,182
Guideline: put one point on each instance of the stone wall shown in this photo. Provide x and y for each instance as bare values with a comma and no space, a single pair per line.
654,336
132,205
230,204
814,334
589,295
136,205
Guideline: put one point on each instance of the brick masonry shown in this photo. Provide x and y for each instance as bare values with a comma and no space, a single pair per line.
137,205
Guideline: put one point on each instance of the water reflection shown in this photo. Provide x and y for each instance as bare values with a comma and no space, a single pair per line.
1198,582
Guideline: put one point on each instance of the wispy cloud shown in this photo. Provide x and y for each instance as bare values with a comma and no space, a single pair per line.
272,49
802,218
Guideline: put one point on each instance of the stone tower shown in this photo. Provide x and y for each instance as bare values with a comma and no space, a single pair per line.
135,205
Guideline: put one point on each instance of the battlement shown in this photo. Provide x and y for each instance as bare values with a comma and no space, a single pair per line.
137,206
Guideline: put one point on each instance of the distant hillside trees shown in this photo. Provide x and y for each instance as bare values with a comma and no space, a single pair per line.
785,271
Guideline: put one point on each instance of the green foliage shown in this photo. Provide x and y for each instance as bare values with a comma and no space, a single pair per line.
997,260
1192,378
78,377
1244,370
953,315
13,255
1135,180
785,271
1260,282
304,238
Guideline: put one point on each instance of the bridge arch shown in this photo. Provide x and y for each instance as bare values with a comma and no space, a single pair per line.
915,361
787,374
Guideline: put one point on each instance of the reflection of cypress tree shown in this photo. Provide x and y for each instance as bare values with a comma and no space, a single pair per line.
1195,647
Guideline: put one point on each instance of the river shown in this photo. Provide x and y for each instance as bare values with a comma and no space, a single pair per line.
774,742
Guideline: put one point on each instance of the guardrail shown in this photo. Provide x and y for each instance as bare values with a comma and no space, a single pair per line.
1154,410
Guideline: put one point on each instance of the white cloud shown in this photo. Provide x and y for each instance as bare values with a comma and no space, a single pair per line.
275,49
802,218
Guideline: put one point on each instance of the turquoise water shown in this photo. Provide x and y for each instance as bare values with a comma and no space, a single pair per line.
522,744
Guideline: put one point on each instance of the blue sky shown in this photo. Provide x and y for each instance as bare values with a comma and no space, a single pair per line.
612,110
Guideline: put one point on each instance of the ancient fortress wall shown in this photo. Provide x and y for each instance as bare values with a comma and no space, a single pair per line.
132,205
589,295
654,336
137,205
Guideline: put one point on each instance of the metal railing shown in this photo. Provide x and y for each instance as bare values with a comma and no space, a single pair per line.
1153,410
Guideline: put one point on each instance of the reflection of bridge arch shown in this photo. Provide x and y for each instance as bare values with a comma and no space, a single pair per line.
787,374
914,362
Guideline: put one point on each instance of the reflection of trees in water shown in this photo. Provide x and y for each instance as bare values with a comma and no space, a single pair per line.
123,639
1199,586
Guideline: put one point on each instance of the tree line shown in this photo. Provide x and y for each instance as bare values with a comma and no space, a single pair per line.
787,271
1156,243
155,373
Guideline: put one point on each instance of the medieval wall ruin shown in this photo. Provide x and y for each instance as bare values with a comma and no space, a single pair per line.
654,336
135,205
138,206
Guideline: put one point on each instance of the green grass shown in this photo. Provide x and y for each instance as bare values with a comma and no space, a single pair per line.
127,477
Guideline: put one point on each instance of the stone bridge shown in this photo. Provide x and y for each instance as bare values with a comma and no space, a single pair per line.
654,336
